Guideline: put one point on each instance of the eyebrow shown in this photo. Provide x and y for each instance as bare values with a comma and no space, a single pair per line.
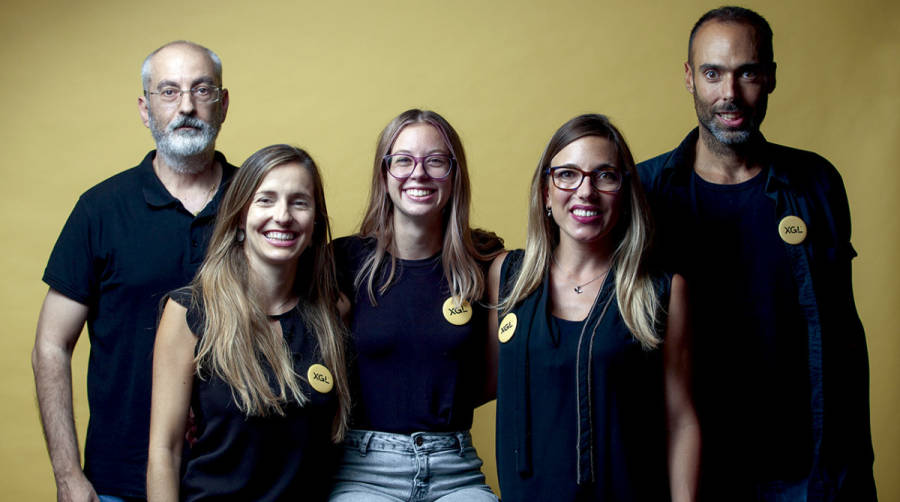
600,167
759,67
431,152
196,82
275,192
711,67
740,67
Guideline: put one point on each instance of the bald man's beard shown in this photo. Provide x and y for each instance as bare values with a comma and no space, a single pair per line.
746,135
185,150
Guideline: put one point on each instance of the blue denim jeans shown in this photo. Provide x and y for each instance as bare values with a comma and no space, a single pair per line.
749,491
422,467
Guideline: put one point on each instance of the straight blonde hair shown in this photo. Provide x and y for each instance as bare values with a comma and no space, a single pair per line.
239,344
635,292
462,249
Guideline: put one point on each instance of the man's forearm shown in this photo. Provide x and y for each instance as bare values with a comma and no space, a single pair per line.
53,379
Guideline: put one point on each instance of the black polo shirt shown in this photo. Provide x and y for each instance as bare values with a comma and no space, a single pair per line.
126,244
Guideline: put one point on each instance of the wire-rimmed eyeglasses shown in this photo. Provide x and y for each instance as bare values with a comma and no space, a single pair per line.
203,93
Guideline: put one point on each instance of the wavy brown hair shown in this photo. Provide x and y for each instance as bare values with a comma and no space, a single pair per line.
239,344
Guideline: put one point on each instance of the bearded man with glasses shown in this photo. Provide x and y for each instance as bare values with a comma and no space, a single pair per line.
129,240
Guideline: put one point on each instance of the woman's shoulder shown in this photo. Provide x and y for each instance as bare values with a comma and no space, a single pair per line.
662,281
352,248
512,261
182,296
191,298
347,243
508,265
662,286
349,254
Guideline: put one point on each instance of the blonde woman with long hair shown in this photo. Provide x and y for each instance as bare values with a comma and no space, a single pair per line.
415,273
254,347
593,392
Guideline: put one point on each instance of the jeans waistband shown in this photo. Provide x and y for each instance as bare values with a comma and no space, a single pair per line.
417,442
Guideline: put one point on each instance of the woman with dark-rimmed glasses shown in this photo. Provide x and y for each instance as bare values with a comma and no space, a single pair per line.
415,274
593,390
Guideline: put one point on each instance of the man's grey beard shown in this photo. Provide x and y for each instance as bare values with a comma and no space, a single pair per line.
184,151
724,137
729,138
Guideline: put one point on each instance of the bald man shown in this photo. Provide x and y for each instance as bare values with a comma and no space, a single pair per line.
128,241
761,232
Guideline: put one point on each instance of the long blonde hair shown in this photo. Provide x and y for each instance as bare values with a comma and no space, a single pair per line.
462,247
635,292
239,343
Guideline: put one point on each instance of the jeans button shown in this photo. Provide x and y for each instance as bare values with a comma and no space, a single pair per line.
419,440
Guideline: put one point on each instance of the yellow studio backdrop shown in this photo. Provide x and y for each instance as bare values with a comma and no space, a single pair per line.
328,76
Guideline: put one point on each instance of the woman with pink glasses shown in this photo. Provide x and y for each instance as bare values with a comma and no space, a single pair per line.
415,274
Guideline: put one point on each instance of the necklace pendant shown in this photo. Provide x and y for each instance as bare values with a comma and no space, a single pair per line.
578,289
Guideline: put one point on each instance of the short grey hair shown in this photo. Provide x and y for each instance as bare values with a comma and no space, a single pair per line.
145,67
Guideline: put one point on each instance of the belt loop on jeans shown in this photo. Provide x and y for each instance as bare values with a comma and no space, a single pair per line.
364,443
460,438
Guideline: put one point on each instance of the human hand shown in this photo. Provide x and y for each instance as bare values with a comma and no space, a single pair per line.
75,488
190,429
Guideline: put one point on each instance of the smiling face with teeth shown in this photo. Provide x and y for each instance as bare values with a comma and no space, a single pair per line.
585,214
279,222
419,198
729,82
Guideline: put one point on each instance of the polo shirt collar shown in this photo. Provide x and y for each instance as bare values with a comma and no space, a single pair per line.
156,194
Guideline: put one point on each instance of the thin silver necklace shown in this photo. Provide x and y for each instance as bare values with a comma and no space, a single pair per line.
579,288
212,189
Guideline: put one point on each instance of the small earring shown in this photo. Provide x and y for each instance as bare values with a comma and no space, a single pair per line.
239,236
549,212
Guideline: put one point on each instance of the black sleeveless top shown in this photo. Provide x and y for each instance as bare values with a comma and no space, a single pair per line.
580,408
270,458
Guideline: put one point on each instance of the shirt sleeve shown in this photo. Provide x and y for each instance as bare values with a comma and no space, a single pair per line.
74,262
840,207
346,260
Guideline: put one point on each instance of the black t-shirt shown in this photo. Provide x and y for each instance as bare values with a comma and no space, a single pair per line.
126,244
412,371
271,458
836,408
750,327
